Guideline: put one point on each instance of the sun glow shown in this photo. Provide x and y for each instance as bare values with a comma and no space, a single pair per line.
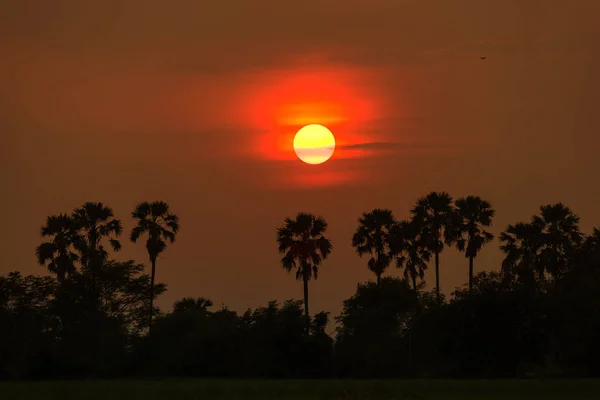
314,144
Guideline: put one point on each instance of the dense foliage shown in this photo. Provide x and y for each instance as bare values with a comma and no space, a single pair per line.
538,315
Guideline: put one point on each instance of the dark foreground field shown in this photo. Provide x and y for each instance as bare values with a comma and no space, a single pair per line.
303,390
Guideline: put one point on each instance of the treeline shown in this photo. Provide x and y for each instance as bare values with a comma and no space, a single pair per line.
539,315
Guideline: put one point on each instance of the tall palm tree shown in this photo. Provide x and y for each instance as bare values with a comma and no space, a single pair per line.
410,250
95,222
303,243
58,252
436,216
373,237
155,220
474,214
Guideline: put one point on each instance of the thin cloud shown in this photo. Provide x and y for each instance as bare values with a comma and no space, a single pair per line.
384,146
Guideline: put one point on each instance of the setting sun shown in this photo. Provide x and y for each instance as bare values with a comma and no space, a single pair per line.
314,144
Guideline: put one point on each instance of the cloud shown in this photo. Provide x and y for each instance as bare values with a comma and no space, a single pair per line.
384,146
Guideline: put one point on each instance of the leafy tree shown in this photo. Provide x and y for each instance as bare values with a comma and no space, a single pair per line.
410,250
58,254
25,324
373,237
155,220
304,245
436,216
372,329
474,215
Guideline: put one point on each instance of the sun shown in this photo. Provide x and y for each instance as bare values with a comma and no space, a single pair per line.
314,144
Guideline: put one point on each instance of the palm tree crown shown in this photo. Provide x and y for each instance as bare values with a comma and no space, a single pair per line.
410,250
155,220
94,222
542,248
58,252
373,237
186,304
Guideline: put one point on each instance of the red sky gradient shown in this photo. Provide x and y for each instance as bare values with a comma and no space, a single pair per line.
196,103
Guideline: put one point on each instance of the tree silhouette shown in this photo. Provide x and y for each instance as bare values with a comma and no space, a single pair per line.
474,214
199,304
560,237
58,253
542,248
435,214
373,237
155,220
520,243
94,222
589,250
410,250
304,246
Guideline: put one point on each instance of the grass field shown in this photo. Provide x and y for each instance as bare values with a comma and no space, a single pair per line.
303,390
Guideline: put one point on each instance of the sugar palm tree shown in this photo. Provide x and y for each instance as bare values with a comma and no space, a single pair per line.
94,223
560,237
521,243
154,220
435,214
303,243
474,215
373,237
410,250
58,254
544,247
591,243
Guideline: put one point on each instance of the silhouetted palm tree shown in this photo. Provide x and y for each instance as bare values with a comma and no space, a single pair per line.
304,246
592,242
59,252
410,250
155,220
560,237
192,304
95,222
373,237
474,214
521,242
435,214
543,247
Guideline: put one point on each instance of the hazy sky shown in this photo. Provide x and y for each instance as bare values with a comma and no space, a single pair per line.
196,103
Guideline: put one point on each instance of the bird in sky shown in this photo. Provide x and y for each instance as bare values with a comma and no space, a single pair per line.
483,58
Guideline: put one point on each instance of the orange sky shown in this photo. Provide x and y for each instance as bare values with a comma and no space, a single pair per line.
197,102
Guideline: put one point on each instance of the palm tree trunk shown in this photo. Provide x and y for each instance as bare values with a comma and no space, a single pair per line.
414,282
437,276
306,315
470,274
378,280
151,311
